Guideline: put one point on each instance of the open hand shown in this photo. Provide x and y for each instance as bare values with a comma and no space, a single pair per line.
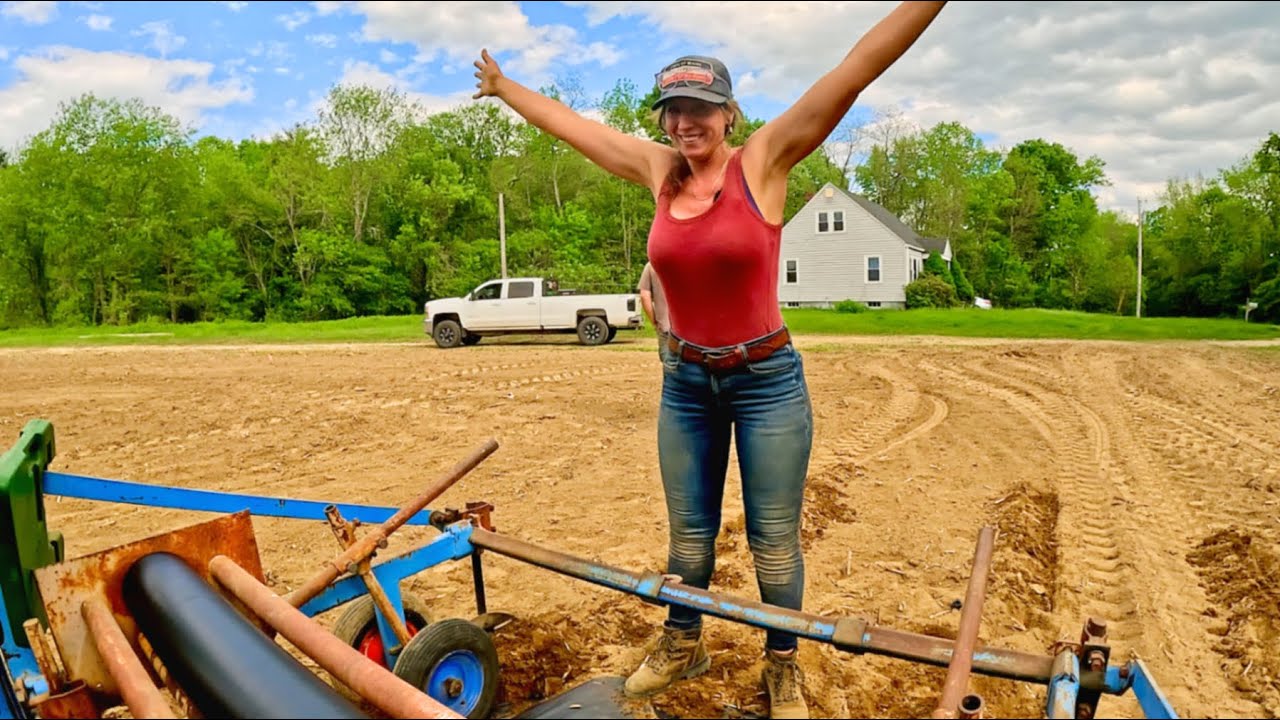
489,73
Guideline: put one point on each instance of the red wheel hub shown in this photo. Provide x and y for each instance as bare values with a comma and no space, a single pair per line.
370,644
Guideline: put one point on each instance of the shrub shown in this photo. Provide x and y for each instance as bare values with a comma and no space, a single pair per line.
851,306
930,291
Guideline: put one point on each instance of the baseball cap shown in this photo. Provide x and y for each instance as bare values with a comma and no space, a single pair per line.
694,76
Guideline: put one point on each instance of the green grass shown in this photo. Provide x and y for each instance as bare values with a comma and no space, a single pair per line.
1060,324
408,328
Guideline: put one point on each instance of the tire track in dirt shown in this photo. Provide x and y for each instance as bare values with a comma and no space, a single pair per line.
885,418
1155,507
826,502
1093,567
1220,467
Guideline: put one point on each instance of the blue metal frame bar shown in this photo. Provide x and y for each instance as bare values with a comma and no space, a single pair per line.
119,491
1150,697
1064,687
20,662
453,544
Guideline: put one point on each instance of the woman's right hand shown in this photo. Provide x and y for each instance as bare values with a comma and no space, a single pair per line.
489,74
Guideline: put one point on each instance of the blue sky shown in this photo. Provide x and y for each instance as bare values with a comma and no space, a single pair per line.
1157,90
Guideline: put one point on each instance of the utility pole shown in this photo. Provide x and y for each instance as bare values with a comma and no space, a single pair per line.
502,235
1139,258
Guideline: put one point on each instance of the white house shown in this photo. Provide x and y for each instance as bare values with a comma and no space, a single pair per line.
842,246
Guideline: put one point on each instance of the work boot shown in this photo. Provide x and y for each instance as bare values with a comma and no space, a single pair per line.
783,681
678,655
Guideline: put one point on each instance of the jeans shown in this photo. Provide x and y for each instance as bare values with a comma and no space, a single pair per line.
766,405
663,349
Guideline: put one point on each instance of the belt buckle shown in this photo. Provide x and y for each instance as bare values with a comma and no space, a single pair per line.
722,360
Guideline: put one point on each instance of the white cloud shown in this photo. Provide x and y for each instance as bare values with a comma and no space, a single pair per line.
31,13
359,72
236,5
98,22
1156,90
272,51
163,38
294,20
181,88
455,32
325,40
329,8
387,57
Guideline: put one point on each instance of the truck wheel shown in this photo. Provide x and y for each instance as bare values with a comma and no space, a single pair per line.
593,330
448,334
470,339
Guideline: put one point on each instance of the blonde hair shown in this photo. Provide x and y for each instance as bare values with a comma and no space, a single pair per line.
681,170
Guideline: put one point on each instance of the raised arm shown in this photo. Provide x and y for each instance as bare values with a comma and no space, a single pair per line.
643,162
790,137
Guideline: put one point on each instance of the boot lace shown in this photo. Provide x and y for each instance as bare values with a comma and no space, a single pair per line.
664,654
784,685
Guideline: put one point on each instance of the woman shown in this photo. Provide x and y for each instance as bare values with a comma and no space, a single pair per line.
731,368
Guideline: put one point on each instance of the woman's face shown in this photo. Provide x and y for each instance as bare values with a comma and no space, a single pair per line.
696,127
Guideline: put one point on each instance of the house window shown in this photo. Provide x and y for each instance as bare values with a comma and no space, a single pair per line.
915,268
873,269
873,303
822,223
793,272
837,221
793,304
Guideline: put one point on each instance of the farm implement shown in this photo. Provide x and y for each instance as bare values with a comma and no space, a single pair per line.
184,623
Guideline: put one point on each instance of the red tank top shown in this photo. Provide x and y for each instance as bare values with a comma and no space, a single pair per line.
719,270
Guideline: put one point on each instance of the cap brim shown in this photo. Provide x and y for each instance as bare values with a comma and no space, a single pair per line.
690,92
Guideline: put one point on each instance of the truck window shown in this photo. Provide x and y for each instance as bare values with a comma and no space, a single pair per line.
492,291
522,289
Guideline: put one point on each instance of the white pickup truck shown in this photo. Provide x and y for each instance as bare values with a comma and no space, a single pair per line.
528,305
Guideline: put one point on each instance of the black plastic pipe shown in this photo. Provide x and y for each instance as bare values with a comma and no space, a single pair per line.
226,665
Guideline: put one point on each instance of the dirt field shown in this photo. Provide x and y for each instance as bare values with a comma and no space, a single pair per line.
1135,482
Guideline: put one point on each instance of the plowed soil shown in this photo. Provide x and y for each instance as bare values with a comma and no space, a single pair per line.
1138,483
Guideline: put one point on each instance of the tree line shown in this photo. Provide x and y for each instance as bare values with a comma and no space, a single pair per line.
116,213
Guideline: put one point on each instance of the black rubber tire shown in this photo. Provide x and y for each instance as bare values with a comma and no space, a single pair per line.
593,330
446,641
470,339
613,333
357,619
448,334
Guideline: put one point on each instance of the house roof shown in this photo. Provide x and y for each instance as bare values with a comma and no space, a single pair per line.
895,225
938,245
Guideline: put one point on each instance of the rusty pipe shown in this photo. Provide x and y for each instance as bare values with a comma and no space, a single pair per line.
953,689
363,548
137,689
370,680
971,707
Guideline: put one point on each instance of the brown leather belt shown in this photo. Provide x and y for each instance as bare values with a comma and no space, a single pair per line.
731,358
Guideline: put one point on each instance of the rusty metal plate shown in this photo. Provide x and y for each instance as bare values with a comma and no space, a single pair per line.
64,586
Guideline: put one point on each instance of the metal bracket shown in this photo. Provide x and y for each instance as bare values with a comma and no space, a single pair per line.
849,634
649,588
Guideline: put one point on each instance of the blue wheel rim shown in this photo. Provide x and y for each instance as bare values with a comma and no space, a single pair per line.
461,667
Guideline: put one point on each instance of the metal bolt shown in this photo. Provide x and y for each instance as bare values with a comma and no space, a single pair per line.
1096,627
453,687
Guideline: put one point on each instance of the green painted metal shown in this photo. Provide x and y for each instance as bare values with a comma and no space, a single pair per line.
25,541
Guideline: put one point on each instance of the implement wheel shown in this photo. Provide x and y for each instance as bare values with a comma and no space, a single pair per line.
454,662
358,627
